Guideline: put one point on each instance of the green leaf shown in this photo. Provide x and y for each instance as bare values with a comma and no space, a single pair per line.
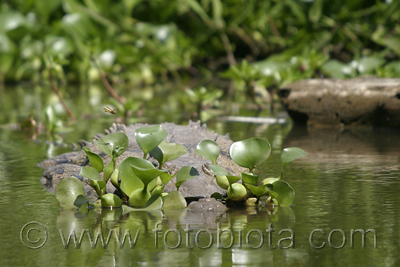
7,48
291,153
111,201
146,175
316,11
222,181
184,174
335,69
217,14
150,137
129,180
297,11
258,191
80,201
237,192
113,144
145,170
67,191
269,180
250,178
174,201
94,159
154,183
250,152
217,195
198,9
97,186
157,190
166,177
208,149
393,42
108,170
232,179
154,203
218,170
90,172
368,65
139,198
285,193
168,151
102,184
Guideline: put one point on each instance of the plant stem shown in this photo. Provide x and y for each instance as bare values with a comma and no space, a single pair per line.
107,84
70,114
228,49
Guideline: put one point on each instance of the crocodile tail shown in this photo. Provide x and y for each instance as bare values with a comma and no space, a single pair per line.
116,127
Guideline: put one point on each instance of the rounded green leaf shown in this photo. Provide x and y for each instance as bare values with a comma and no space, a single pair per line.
90,172
232,179
68,190
145,170
111,201
184,174
285,193
269,181
94,159
113,144
150,137
237,192
129,180
166,177
249,178
291,153
80,201
251,152
218,170
174,201
217,195
208,149
258,191
168,151
222,181
139,198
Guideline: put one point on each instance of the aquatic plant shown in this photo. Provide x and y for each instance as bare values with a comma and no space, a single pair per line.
250,153
140,183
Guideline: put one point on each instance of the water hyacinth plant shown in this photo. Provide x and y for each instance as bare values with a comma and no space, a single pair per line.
250,153
140,182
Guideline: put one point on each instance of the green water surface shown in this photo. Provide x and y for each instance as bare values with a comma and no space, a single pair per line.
349,180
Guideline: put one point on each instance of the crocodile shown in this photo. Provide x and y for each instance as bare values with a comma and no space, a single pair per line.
204,185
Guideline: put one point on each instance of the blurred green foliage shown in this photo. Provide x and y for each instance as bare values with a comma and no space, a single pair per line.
140,41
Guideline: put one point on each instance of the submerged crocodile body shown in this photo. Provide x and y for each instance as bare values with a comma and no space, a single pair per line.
70,164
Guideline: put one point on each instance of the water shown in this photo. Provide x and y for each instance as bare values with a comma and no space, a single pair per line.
349,180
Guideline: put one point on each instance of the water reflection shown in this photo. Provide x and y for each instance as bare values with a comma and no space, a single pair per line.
199,238
355,147
349,180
